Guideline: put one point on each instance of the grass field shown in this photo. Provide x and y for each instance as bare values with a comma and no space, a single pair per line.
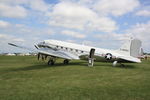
25,78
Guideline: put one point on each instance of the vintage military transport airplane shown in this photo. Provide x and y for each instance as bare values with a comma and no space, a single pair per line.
53,49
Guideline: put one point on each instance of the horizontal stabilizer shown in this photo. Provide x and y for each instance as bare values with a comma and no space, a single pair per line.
130,58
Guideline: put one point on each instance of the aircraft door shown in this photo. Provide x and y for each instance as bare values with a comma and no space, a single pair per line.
91,57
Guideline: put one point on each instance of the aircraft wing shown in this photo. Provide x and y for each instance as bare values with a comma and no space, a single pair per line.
59,54
22,47
50,52
130,58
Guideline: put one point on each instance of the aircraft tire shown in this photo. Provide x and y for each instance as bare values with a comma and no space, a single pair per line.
50,62
66,61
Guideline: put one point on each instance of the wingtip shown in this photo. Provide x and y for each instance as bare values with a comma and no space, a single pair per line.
12,44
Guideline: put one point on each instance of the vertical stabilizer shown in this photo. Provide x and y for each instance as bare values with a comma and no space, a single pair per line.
125,48
135,48
131,48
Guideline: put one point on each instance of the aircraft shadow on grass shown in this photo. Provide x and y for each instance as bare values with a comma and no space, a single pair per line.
72,64
44,66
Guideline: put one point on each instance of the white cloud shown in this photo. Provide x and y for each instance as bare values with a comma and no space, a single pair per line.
3,36
39,5
14,2
73,34
4,24
70,15
15,8
113,36
18,40
140,31
6,37
86,16
64,14
88,43
75,16
71,41
115,7
111,40
145,13
12,11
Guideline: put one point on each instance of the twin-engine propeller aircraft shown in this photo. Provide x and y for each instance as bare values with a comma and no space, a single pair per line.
53,49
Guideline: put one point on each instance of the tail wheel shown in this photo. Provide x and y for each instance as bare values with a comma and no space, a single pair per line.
115,63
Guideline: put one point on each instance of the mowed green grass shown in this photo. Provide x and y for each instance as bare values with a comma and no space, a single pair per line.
25,78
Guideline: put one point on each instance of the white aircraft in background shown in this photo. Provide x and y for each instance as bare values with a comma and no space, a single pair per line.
53,49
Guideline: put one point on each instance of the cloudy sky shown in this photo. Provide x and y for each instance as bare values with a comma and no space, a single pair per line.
101,23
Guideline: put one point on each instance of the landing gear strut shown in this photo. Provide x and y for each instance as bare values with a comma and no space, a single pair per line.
51,61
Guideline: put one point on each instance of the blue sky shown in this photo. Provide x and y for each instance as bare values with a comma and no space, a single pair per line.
101,23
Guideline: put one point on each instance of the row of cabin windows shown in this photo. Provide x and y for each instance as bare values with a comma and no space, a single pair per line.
68,48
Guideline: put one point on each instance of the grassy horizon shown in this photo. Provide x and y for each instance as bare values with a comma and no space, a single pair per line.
26,78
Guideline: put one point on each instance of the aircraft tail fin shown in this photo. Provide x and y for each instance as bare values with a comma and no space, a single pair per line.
131,48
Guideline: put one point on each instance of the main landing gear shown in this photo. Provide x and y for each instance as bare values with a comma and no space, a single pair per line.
53,60
66,61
